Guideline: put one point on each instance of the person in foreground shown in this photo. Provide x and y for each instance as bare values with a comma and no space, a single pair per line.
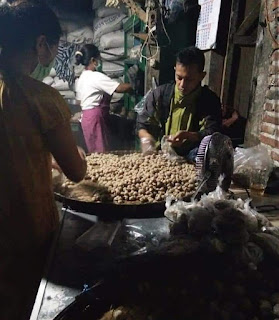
94,90
34,123
185,111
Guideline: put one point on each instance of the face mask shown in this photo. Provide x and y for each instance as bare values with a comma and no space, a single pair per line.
41,71
99,65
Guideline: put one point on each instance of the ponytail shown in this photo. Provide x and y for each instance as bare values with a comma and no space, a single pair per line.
86,53
79,58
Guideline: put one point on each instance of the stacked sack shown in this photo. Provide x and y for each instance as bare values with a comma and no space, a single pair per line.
109,37
66,90
76,31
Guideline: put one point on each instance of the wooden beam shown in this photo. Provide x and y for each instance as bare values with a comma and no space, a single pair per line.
245,41
136,9
227,81
142,36
249,20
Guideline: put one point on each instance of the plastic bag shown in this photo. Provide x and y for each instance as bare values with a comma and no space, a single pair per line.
252,167
175,209
217,203
140,105
274,231
268,243
253,255
168,151
147,145
139,236
176,7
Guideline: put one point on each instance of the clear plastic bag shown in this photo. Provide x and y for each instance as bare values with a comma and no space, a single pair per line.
216,203
168,151
176,7
274,231
252,167
253,255
139,236
140,106
147,145
268,243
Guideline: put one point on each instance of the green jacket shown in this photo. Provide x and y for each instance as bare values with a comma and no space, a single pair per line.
157,109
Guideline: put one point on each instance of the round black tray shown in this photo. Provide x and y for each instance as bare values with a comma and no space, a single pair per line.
112,211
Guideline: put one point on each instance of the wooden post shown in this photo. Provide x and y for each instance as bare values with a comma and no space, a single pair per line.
227,79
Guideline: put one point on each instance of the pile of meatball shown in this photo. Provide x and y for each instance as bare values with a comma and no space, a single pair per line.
134,178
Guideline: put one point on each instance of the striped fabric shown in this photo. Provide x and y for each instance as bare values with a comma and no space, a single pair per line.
64,62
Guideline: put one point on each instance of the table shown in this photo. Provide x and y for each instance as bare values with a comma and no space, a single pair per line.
68,269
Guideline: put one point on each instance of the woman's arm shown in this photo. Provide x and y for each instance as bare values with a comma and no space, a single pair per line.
63,148
124,87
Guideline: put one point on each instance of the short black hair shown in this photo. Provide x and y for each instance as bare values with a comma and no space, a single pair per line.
191,55
86,53
22,22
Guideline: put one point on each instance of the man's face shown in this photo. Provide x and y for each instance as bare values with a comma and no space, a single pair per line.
50,54
188,78
46,53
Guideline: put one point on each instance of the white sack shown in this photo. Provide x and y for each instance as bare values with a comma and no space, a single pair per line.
115,40
68,94
52,73
83,35
113,54
97,4
60,84
108,11
72,21
107,25
48,80
113,70
95,21
78,70
68,25
112,40
116,97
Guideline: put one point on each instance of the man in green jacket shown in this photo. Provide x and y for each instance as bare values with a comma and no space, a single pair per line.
184,110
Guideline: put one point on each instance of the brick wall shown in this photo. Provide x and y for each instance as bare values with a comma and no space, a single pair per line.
269,128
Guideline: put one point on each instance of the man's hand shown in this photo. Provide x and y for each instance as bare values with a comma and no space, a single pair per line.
228,122
181,136
147,142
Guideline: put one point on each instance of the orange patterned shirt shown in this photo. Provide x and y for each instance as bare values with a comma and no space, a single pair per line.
28,110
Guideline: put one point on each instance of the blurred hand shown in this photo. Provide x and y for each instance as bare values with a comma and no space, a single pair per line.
228,122
55,165
178,139
147,145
